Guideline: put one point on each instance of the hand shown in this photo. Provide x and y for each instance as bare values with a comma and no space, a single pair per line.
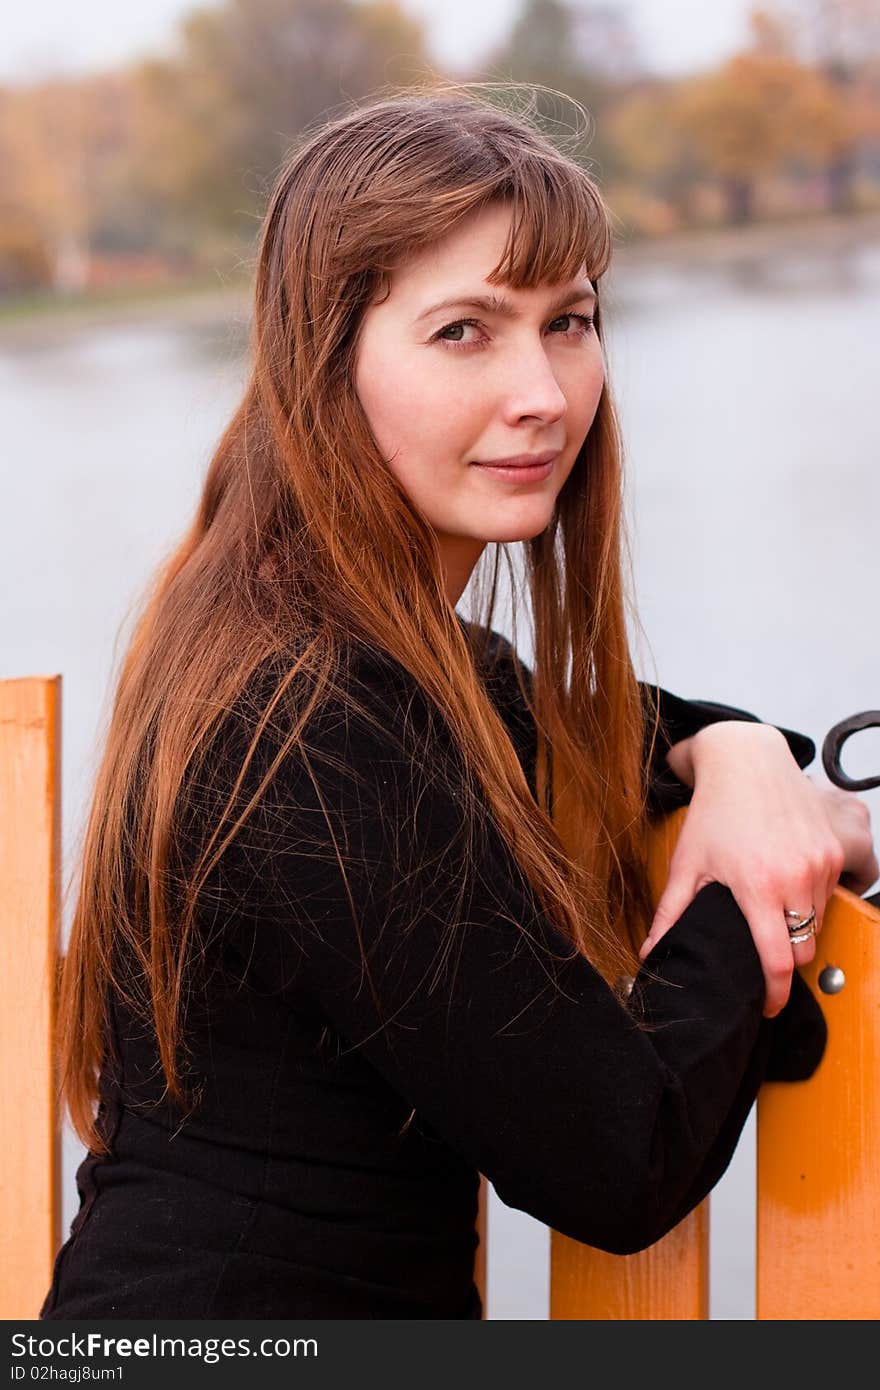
759,826
851,822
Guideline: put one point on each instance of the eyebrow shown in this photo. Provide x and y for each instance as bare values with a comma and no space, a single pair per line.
496,304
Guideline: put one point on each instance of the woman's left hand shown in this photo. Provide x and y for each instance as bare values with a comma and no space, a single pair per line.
758,825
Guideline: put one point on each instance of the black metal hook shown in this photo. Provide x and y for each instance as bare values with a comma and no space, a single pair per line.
833,744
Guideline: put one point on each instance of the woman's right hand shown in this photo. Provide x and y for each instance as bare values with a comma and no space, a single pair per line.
851,822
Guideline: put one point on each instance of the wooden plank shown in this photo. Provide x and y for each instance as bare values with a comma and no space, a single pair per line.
670,1280
29,949
819,1145
667,1282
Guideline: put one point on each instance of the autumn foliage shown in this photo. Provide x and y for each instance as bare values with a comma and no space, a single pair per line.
162,168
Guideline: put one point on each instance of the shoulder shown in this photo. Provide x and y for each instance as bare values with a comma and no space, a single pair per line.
371,713
366,716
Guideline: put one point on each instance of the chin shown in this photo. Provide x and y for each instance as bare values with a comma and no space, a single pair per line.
522,531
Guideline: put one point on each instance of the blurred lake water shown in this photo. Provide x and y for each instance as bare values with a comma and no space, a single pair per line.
746,383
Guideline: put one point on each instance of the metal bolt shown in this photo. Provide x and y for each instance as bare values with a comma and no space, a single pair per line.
831,979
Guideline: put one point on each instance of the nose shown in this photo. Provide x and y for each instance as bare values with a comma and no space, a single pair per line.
531,386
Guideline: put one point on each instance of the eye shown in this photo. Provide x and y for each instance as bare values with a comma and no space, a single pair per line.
583,323
459,331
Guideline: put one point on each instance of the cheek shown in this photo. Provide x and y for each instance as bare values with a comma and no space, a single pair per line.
406,427
585,397
367,385
381,415
403,401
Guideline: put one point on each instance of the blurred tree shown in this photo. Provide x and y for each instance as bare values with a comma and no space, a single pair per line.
24,258
605,42
754,115
771,34
842,39
215,124
177,155
42,146
583,49
764,112
650,143
62,142
837,35
541,39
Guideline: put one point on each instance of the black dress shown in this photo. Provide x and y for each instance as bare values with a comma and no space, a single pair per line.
330,1168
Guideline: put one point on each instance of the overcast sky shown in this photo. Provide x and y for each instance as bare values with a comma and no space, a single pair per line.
46,36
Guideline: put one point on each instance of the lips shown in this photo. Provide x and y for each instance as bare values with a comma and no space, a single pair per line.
525,468
520,460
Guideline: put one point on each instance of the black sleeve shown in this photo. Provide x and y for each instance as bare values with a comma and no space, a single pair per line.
473,1006
795,1043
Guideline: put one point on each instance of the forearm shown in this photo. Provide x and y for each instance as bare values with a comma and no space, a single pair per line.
680,721
717,742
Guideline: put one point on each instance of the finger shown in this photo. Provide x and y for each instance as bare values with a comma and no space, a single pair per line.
835,860
766,920
825,892
804,897
778,970
804,952
802,955
678,894
824,886
816,899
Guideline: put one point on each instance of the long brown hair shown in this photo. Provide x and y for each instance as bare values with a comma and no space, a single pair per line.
303,539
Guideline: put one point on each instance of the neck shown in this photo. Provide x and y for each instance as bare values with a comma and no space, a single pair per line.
460,555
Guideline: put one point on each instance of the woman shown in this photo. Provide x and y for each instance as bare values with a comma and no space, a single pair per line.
361,894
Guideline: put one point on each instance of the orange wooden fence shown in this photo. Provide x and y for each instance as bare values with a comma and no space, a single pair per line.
30,839
818,1176
818,1198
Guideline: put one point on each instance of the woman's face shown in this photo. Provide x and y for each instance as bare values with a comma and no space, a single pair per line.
450,390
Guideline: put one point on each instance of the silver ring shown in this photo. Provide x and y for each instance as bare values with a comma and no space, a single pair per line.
800,928
796,920
800,937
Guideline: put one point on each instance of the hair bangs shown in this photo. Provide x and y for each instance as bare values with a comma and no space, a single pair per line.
559,225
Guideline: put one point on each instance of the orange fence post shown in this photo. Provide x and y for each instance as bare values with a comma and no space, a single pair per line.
669,1281
29,952
819,1142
